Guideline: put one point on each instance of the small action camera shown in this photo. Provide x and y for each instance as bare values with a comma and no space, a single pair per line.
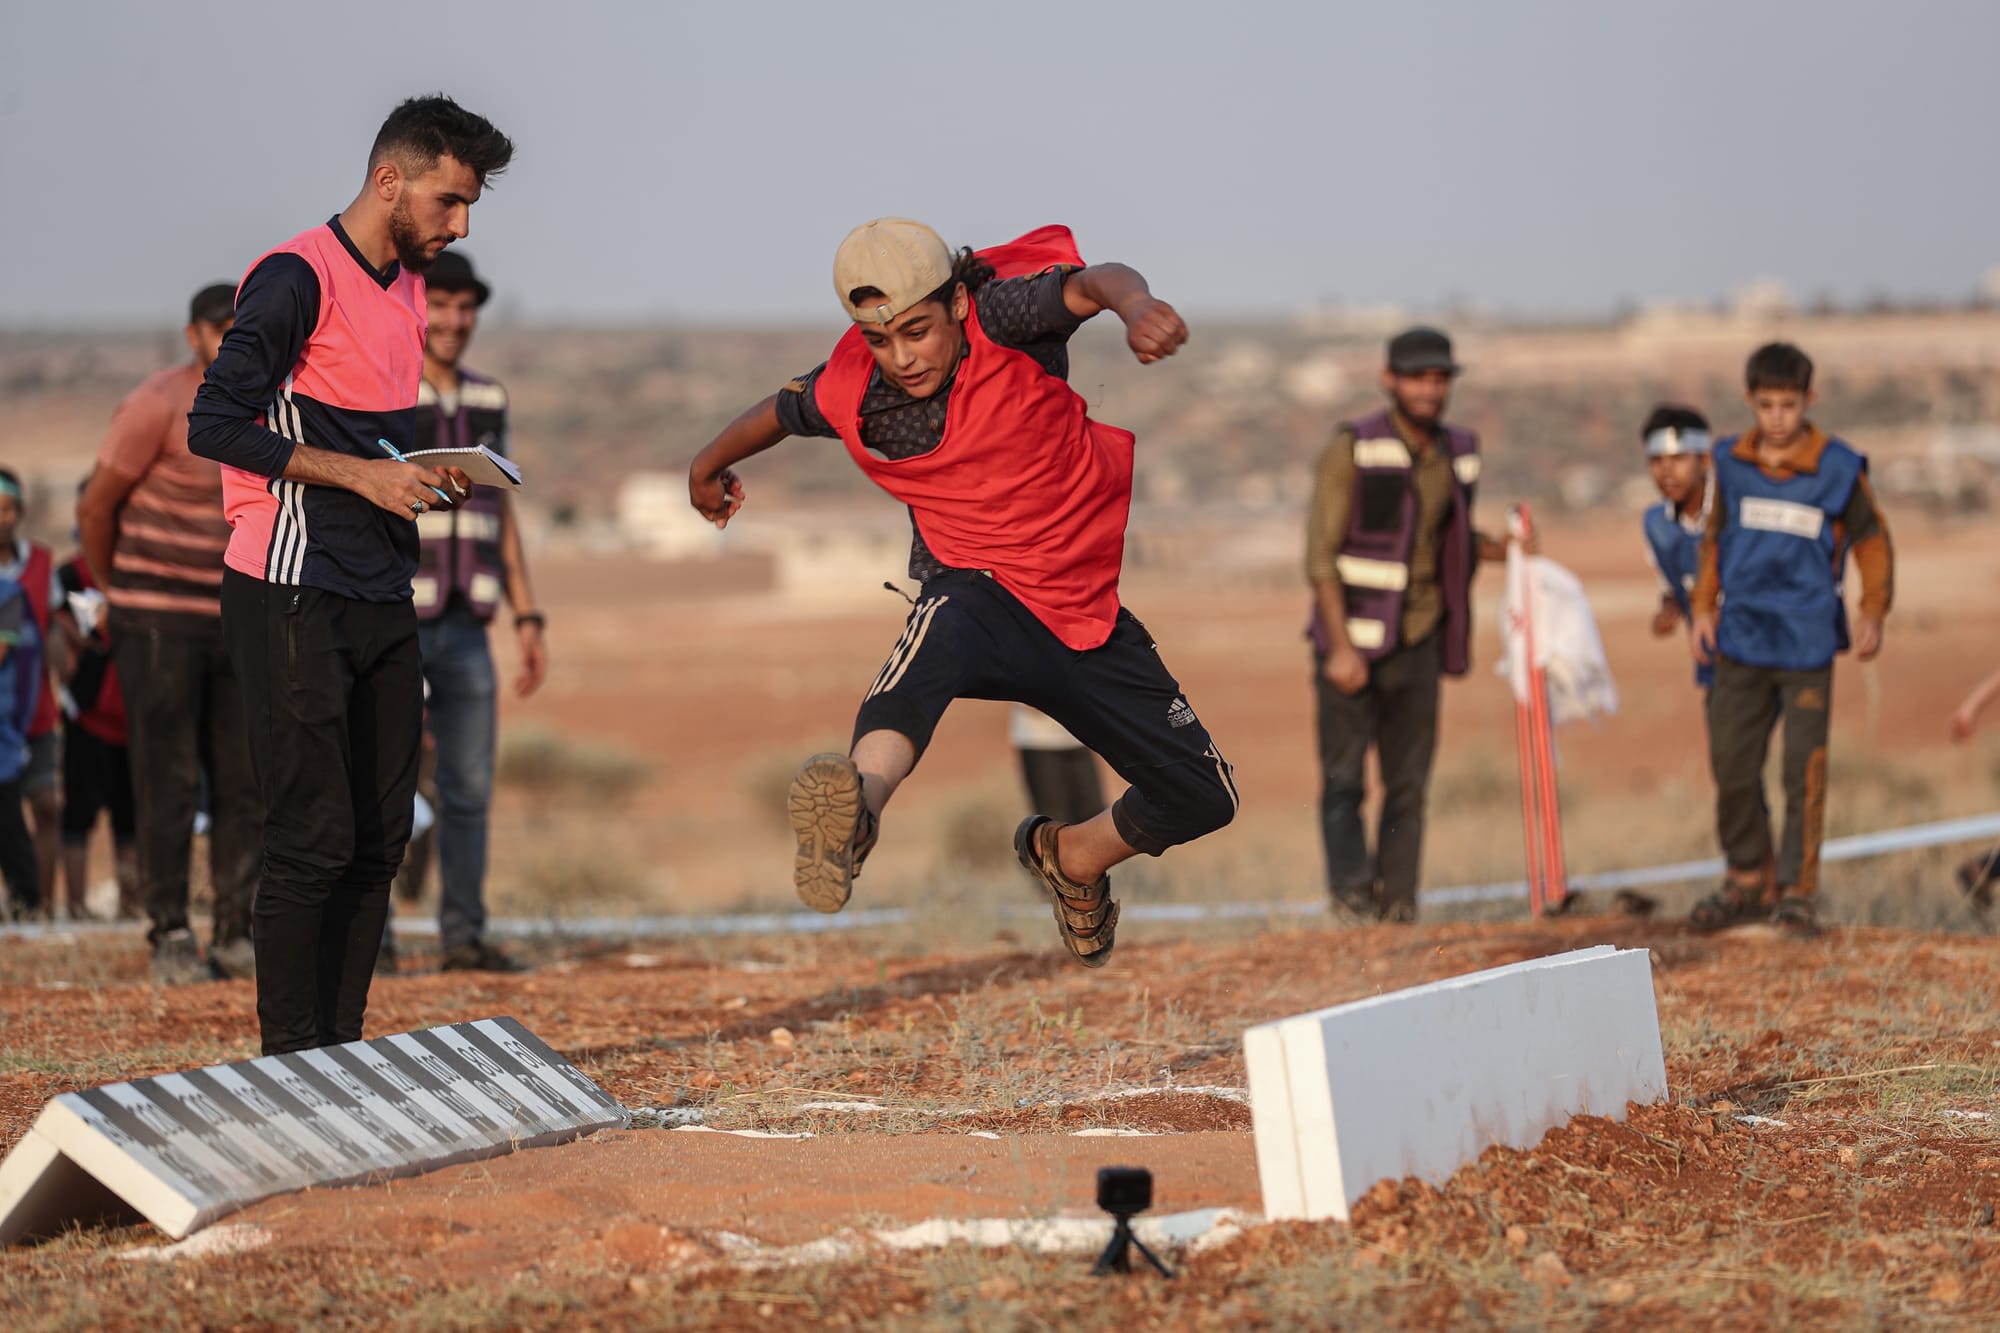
1124,1191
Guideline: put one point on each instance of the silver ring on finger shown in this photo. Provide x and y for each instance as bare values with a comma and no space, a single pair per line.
418,506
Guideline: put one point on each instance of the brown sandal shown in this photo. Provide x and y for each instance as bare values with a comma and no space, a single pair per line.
1085,914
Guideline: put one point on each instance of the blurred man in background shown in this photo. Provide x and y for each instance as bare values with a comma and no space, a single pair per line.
153,534
1390,552
469,561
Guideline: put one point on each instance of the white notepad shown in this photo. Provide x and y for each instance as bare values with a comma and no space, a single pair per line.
485,467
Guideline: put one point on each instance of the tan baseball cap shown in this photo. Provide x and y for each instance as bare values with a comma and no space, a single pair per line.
904,260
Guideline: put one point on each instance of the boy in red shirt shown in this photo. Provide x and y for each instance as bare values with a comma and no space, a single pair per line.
1018,503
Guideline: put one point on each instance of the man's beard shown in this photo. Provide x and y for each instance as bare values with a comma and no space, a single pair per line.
1415,417
409,243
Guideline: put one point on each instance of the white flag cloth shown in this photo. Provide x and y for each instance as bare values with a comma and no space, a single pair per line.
1567,647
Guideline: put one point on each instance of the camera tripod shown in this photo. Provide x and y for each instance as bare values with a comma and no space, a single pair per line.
1117,1256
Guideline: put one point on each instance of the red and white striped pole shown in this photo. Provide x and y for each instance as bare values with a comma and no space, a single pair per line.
1541,807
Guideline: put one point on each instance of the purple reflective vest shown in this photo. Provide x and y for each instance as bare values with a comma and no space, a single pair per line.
459,548
1374,558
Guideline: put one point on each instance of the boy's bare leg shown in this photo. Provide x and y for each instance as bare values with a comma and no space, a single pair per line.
885,758
1086,851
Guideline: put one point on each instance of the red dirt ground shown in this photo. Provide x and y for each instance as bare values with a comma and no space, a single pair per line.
1869,1203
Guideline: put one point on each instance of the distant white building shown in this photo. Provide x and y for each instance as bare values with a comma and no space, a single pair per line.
654,516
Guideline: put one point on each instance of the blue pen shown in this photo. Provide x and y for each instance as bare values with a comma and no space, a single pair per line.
397,454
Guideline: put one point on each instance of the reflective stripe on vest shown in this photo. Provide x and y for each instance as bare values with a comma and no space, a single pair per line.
1367,635
1360,572
1390,452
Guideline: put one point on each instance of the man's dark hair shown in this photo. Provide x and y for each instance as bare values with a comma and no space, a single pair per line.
1674,417
424,129
966,267
1778,366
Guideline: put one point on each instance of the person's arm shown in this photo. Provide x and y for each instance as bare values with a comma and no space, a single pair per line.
1707,596
714,490
97,513
1867,537
529,628
1967,713
1668,613
275,313
1326,528
1153,329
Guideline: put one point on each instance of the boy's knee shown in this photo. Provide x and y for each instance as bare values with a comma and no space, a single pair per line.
1180,803
1212,809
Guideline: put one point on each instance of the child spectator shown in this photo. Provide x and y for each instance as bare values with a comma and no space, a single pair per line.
1791,503
1677,444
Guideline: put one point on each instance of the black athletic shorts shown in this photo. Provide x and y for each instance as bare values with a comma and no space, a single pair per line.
969,638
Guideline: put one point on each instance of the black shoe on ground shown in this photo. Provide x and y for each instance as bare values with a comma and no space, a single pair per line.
1796,915
234,961
1975,881
1356,904
1731,905
478,956
177,959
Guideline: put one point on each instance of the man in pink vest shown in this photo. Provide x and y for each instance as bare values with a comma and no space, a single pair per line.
309,405
950,391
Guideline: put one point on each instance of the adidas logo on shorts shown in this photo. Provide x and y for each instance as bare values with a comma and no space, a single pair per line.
1179,714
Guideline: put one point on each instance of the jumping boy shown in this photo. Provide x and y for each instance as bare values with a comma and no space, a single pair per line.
1018,503
1791,504
1677,444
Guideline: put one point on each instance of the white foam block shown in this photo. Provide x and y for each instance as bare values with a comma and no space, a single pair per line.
183,1149
1419,1082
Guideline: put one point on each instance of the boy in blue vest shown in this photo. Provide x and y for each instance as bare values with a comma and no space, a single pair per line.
1791,505
1677,444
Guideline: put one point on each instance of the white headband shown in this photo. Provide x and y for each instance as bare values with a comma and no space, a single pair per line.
1671,442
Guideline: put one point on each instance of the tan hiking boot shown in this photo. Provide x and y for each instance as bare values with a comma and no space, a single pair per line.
835,829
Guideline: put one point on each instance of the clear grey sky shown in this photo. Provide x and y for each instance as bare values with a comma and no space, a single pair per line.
701,161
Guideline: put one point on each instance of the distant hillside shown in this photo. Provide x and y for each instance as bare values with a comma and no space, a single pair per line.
1238,417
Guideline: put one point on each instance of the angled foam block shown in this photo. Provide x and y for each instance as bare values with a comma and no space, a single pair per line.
181,1150
1419,1082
